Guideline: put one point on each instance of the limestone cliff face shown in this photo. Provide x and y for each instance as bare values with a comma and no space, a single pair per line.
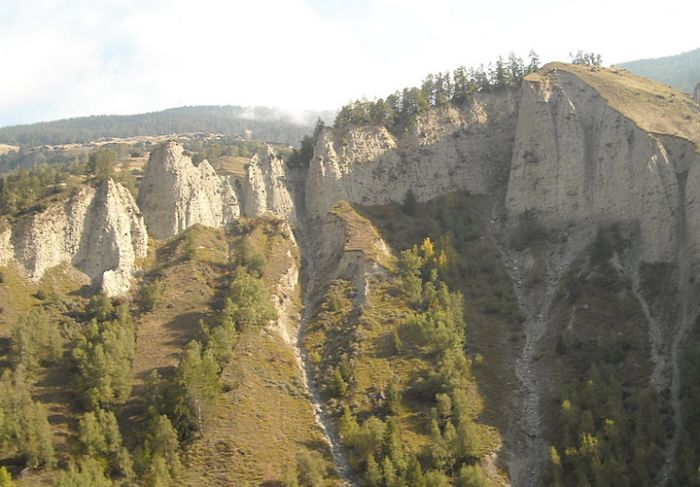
266,188
576,160
441,151
175,194
99,231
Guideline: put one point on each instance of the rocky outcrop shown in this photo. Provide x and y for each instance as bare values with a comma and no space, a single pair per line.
99,231
175,194
577,160
266,188
442,150
347,246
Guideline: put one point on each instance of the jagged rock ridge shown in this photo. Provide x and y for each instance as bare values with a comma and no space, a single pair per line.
175,194
99,231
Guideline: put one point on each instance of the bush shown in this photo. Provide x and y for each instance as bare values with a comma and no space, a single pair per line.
35,341
150,295
248,302
89,472
25,425
5,478
310,470
195,390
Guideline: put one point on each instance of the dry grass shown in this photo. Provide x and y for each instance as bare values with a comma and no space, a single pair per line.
262,423
362,236
653,106
234,166
189,293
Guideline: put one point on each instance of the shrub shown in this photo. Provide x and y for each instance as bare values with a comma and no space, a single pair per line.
310,470
248,302
5,478
35,341
150,295
25,426
89,472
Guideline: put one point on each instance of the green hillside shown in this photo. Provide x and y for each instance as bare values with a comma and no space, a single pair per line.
681,71
268,124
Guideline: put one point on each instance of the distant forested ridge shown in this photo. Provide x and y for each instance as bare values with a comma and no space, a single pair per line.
681,71
267,124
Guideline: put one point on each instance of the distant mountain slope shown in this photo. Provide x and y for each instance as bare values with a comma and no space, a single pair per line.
268,124
681,71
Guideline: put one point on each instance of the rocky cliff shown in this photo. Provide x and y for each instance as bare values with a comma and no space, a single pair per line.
266,188
440,151
175,194
99,231
579,159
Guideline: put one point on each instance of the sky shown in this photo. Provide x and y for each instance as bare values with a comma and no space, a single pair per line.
65,58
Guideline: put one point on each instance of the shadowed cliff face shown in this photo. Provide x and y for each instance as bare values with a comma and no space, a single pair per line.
440,151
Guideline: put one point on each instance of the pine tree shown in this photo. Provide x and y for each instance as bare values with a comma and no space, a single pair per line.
104,357
373,475
89,472
160,454
99,437
35,341
414,474
250,302
471,476
348,427
101,163
340,387
197,387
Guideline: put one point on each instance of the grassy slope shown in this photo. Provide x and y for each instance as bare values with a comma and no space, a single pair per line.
62,288
490,309
265,418
655,107
366,336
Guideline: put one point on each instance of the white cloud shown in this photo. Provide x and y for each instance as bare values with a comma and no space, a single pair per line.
78,57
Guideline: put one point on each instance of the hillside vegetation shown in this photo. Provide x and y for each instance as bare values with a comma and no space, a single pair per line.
266,124
681,71
164,389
